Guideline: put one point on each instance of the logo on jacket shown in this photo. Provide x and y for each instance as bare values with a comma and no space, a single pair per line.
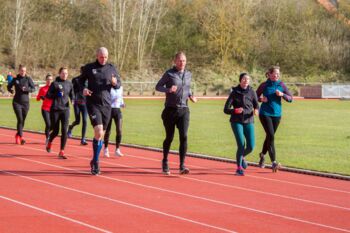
94,71
60,86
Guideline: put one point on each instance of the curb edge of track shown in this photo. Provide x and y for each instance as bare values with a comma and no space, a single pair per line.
226,160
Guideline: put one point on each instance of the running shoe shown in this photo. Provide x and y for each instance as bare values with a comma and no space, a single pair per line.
165,168
83,143
18,139
69,133
61,155
95,169
275,166
262,160
23,141
184,170
48,146
239,172
118,152
244,164
106,152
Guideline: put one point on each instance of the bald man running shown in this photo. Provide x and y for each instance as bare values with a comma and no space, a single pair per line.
101,77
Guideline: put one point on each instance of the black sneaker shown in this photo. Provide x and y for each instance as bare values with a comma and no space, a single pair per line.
95,169
83,143
165,168
275,166
184,170
262,160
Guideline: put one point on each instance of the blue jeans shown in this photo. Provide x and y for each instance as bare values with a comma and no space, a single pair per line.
245,139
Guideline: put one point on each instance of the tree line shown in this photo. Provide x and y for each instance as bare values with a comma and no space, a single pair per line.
220,37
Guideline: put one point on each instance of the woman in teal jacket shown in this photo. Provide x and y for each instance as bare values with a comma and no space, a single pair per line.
270,93
242,104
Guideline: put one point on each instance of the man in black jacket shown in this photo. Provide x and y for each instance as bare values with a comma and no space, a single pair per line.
101,77
176,83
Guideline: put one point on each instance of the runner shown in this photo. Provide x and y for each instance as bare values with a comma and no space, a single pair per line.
23,86
270,93
176,83
242,105
46,105
60,91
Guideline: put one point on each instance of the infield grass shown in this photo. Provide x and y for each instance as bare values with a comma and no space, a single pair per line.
313,134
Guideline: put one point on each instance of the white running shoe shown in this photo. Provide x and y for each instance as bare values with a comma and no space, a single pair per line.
106,152
118,152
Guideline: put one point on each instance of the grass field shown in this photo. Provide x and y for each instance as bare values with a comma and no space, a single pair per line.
313,134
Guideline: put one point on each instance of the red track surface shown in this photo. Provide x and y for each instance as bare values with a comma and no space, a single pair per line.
40,193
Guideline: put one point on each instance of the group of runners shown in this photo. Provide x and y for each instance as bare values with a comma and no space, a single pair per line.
98,92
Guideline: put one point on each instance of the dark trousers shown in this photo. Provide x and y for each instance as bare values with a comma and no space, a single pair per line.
57,117
270,125
117,116
179,117
47,120
80,109
21,111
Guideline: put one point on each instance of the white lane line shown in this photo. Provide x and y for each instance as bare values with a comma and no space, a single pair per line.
252,176
109,199
191,196
53,214
215,170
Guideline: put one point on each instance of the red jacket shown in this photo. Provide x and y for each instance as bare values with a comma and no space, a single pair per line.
46,101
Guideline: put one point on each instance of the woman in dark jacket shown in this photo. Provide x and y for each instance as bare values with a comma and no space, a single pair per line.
242,104
23,86
60,91
270,93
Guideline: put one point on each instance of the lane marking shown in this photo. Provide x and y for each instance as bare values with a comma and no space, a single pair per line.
247,175
110,199
189,195
53,214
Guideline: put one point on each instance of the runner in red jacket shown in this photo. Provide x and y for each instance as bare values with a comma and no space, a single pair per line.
45,107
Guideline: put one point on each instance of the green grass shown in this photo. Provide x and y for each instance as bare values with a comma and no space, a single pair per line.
312,135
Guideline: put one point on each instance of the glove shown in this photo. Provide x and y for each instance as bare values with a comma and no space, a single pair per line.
42,97
60,94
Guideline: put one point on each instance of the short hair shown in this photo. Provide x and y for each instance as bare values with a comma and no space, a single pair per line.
179,53
62,68
102,50
48,75
21,66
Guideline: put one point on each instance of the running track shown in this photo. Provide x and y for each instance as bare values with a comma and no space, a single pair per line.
40,193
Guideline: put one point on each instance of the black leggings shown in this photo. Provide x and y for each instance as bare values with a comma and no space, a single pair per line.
80,109
21,111
270,125
58,116
46,116
117,116
179,117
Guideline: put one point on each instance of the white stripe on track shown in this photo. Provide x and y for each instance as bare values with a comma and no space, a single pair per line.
109,199
247,175
189,195
52,213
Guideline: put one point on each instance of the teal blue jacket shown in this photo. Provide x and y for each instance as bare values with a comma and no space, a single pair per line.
273,106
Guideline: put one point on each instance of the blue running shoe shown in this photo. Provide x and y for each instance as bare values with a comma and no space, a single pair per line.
239,172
